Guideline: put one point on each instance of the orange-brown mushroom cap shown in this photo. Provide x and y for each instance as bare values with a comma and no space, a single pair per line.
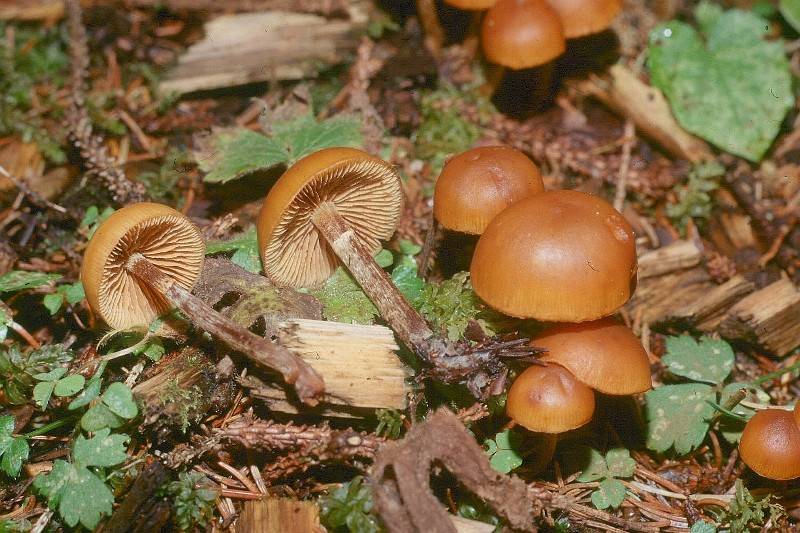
560,256
366,192
603,354
585,17
521,34
165,237
770,444
548,399
476,185
470,5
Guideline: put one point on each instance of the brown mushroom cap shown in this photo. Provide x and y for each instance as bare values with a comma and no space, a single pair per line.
476,185
561,256
470,5
603,354
548,399
521,34
770,444
165,237
366,192
585,17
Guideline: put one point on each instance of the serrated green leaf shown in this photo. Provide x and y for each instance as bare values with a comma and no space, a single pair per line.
344,301
91,392
610,493
42,392
620,463
703,527
69,385
244,248
17,280
118,397
51,485
790,9
99,417
85,499
104,449
304,135
704,82
677,415
14,455
710,360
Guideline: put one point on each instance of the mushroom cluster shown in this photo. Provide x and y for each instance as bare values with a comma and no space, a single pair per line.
770,444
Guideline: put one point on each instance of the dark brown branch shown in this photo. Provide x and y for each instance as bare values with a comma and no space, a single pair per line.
307,382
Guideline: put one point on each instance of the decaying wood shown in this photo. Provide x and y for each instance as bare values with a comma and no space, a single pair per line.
621,90
401,475
358,363
707,311
141,510
271,356
264,46
324,7
465,525
279,515
769,318
676,256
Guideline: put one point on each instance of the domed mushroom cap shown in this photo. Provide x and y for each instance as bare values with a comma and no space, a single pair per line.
585,17
470,4
603,354
521,34
166,238
560,256
366,192
770,444
548,399
476,185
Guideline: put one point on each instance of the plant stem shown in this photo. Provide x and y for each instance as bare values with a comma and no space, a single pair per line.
307,382
394,308
776,374
47,428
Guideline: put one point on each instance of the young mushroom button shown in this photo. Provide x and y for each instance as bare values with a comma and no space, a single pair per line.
476,185
770,444
144,259
560,256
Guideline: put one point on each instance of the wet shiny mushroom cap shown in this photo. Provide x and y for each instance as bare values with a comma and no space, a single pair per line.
559,256
365,191
469,5
603,354
585,17
770,444
476,185
520,34
165,237
548,399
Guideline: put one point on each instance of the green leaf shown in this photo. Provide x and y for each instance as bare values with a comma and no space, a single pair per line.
51,485
344,301
243,151
91,392
16,280
709,360
384,258
610,493
14,455
85,499
703,527
104,449
620,463
503,451
99,417
504,461
732,88
245,248
790,9
52,302
42,392
69,385
746,512
6,426
118,397
54,375
586,460
677,415
732,429
409,248
405,276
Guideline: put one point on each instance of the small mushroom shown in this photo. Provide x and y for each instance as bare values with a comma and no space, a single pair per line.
770,444
561,256
144,259
548,399
521,35
476,185
585,17
603,354
338,202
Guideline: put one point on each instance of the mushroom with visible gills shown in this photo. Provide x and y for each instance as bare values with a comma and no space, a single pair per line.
770,444
558,256
143,261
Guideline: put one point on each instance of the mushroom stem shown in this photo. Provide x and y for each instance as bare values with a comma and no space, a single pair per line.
429,20
307,382
394,308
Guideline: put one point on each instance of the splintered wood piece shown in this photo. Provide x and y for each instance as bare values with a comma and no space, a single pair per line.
279,515
676,256
465,525
706,312
264,46
357,362
769,318
625,93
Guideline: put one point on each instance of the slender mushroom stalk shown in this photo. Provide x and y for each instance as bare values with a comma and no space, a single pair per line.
142,262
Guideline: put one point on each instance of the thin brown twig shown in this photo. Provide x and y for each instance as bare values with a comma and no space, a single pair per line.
34,196
625,164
